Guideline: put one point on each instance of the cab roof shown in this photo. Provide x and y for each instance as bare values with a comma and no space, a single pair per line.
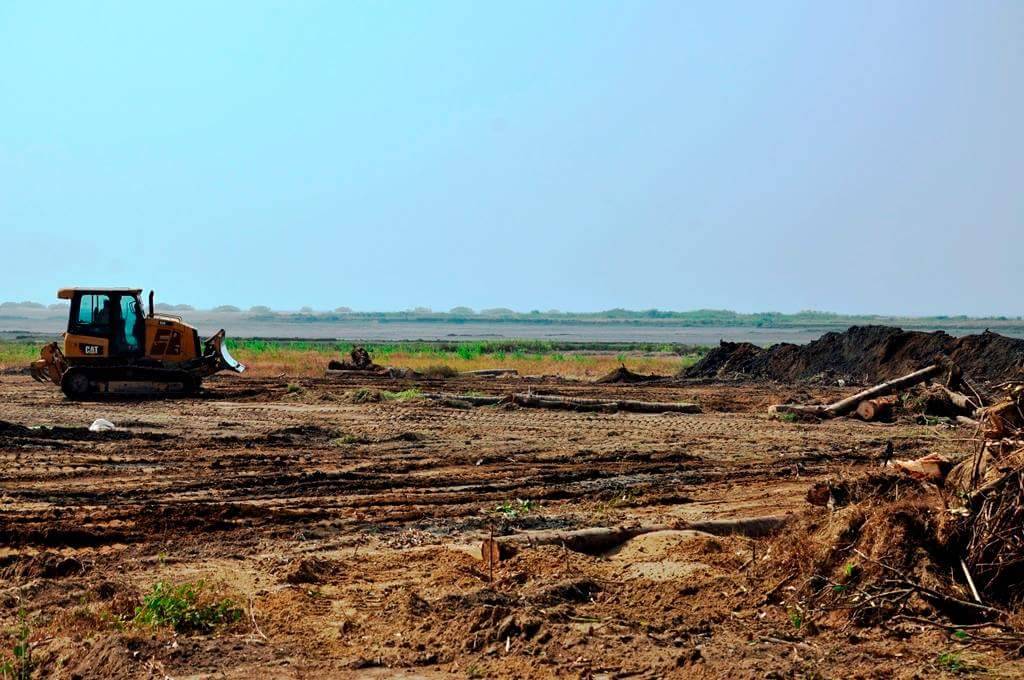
68,293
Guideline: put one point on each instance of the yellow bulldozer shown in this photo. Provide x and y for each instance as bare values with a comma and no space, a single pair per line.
110,348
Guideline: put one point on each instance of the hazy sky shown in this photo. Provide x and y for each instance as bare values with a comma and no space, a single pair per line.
854,157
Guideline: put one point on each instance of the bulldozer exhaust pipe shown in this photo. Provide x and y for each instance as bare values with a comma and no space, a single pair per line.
151,304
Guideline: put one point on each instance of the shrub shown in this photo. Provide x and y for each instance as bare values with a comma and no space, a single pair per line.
184,608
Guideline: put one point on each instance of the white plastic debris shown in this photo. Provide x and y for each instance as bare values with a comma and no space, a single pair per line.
101,425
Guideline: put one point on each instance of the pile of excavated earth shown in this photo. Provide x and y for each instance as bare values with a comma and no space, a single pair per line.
864,354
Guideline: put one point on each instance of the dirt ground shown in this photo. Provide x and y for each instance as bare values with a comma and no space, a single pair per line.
346,532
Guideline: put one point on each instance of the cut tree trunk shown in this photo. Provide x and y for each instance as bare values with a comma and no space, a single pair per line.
844,406
597,540
574,403
474,399
491,372
876,409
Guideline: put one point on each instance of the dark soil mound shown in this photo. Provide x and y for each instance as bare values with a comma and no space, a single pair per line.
864,354
989,356
624,375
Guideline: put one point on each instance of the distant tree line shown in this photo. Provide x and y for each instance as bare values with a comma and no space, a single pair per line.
463,314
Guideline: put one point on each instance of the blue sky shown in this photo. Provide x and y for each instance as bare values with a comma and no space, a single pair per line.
853,157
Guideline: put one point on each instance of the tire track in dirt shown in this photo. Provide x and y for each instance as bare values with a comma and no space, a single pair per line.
269,458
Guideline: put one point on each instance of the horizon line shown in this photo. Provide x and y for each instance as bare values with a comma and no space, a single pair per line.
497,313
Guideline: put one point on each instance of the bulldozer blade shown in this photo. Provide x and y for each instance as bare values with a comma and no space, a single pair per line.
217,346
229,361
50,365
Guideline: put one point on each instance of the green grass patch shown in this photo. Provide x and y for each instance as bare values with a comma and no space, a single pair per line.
185,608
514,509
404,395
349,439
499,349
14,354
16,664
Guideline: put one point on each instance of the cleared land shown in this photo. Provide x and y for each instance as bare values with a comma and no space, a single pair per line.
335,538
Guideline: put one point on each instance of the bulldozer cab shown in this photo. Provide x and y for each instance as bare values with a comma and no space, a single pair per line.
105,323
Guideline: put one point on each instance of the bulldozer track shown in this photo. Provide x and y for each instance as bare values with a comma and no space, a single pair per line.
389,464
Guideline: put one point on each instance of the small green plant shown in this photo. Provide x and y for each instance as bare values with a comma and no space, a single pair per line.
516,508
293,388
796,618
961,635
404,395
18,664
952,661
934,420
786,417
364,395
183,608
348,439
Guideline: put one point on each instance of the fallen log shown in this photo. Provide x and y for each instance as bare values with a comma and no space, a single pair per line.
876,409
530,400
844,406
491,372
596,540
555,401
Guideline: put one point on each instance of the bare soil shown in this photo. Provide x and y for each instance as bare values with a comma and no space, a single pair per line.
347,531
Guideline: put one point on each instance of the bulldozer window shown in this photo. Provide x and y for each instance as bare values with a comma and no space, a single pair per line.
93,316
129,336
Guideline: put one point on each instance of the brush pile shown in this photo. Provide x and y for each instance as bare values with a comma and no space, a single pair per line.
992,482
943,553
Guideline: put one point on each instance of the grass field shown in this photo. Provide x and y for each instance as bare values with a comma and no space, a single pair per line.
18,354
583,360
529,357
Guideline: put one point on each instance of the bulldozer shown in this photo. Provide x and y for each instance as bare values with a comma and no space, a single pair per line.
110,348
